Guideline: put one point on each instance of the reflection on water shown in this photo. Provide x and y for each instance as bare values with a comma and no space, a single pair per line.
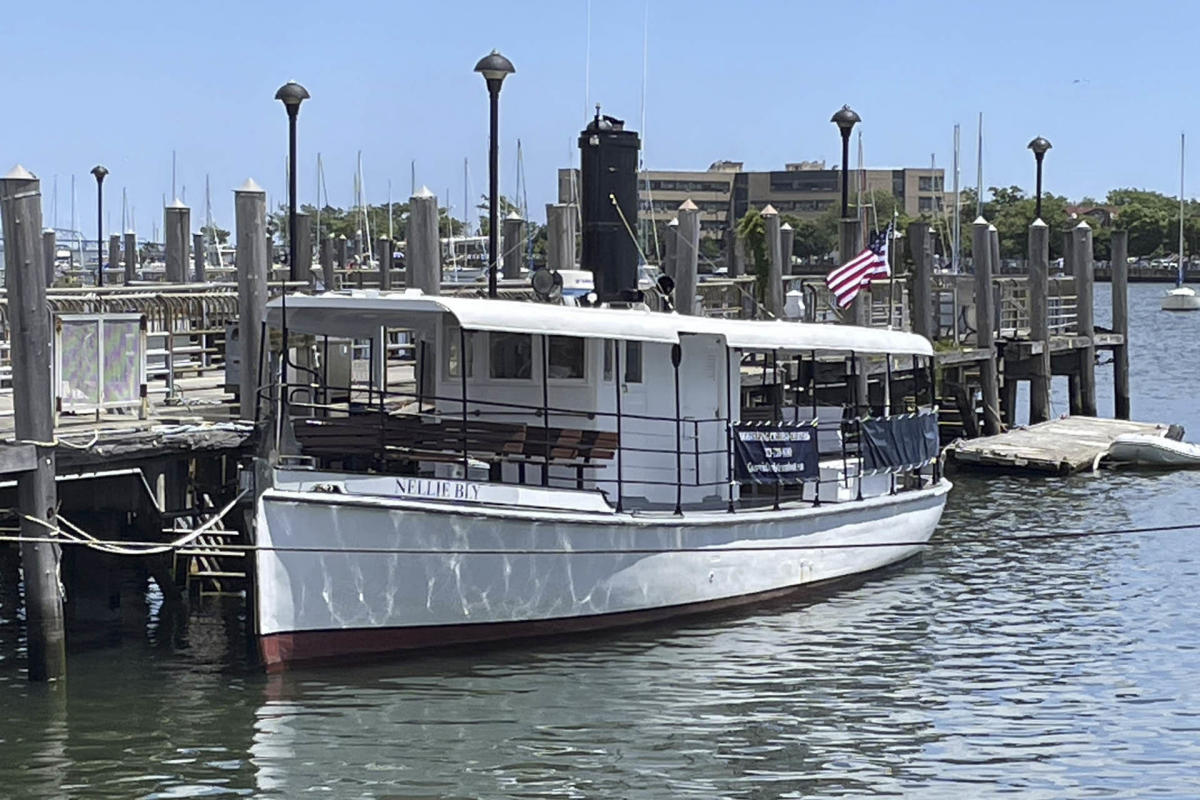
1040,669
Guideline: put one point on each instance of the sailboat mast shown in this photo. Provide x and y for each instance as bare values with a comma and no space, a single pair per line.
956,241
979,171
1179,280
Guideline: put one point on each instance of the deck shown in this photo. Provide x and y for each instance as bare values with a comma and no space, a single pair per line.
1059,447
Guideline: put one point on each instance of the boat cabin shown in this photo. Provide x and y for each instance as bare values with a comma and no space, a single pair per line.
619,408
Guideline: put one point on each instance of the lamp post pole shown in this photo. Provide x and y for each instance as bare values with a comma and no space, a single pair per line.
292,95
1039,146
494,68
845,119
99,171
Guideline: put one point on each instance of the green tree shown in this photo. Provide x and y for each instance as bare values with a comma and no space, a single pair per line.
215,233
753,231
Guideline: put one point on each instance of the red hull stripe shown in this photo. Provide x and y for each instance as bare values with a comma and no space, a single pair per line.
278,650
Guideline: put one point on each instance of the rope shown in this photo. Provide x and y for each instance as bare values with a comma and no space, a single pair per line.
151,548
119,547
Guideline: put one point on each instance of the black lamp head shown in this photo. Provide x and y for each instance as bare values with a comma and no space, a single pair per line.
1039,146
292,94
845,119
494,68
99,171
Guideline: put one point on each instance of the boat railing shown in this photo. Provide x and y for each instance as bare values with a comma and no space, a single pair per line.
635,459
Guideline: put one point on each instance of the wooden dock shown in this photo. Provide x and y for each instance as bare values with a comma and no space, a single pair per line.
1060,446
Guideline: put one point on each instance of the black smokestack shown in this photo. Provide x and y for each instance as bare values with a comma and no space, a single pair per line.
609,162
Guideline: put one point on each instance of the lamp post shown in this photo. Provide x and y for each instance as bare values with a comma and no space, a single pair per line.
1039,146
292,94
845,119
494,68
99,171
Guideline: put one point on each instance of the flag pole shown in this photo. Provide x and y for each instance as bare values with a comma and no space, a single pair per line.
892,272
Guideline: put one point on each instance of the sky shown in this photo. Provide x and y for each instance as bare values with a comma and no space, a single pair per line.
126,83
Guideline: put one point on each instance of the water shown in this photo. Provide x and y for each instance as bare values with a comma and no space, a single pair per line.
1044,669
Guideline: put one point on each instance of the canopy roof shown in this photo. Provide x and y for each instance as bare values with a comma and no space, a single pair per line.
358,313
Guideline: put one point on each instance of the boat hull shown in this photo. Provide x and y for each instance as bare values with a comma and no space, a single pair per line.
1154,451
1181,299
340,576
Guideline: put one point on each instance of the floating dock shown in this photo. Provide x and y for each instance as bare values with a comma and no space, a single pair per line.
1059,446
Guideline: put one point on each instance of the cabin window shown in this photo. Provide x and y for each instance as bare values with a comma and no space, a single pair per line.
633,362
453,356
511,356
566,358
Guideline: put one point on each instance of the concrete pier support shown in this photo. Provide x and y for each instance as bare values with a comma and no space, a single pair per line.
114,251
37,494
984,320
1039,321
177,228
304,248
383,251
423,258
513,235
327,276
687,257
1084,272
921,312
1120,319
250,208
773,293
131,257
49,246
787,243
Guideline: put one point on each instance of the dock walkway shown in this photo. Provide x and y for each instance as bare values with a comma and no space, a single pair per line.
1060,446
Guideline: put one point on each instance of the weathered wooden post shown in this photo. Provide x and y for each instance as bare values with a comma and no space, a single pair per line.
198,271
343,252
383,250
1120,318
37,494
423,260
729,240
560,241
1039,321
773,296
250,207
739,257
787,243
514,246
114,251
1086,317
176,228
984,320
921,313
131,257
671,248
304,248
327,263
687,260
49,247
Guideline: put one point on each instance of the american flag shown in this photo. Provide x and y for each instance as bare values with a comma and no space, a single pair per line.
846,281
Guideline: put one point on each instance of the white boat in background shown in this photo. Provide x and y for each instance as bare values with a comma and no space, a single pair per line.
543,469
1148,450
1181,298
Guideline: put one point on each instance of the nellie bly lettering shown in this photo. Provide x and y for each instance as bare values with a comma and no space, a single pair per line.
437,488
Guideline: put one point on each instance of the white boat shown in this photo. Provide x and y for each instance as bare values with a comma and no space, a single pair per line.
1181,298
541,469
1148,450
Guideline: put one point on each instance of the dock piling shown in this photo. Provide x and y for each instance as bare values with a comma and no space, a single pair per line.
1085,312
250,208
49,246
560,238
423,257
922,289
1039,322
671,247
687,255
787,244
131,257
304,249
773,296
327,263
343,252
1120,320
176,229
114,251
981,250
514,246
383,249
37,493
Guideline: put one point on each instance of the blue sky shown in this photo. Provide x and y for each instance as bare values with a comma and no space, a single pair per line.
125,83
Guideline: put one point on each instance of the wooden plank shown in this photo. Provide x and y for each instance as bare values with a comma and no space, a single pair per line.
1058,446
17,458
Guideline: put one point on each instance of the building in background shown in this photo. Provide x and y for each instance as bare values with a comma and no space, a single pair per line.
725,191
